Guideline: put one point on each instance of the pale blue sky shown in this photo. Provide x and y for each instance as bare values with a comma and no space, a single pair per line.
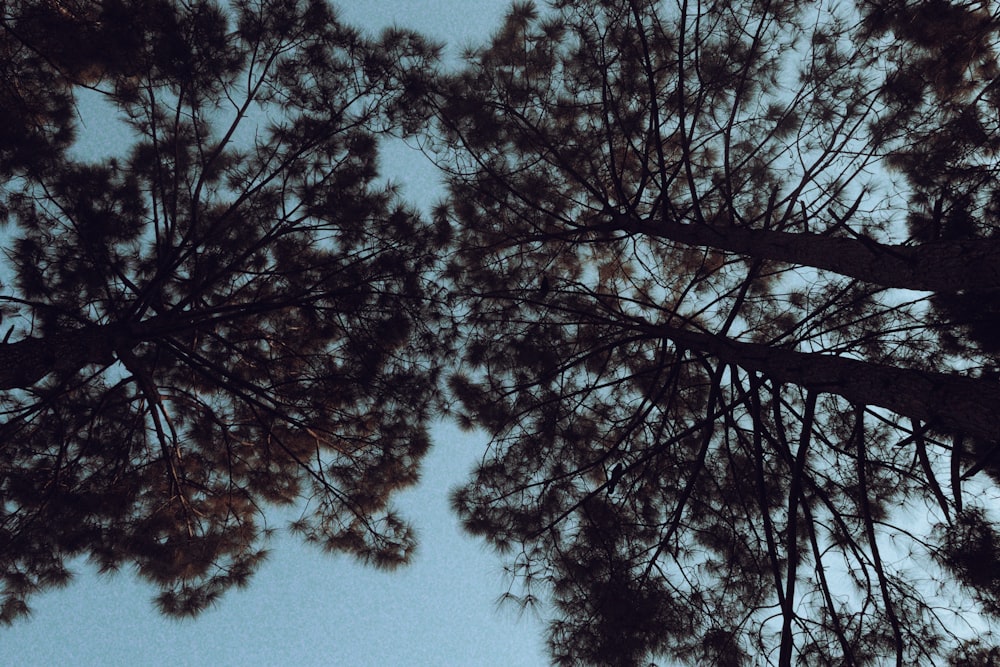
305,608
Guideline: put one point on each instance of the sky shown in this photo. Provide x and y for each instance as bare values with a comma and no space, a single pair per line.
305,608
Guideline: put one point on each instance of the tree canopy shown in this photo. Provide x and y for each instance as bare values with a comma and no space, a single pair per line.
231,314
719,279
726,280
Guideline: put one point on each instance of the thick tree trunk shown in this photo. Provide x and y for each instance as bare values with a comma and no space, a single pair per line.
940,266
950,402
26,362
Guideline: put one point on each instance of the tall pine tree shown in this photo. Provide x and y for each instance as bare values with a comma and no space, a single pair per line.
718,435
231,314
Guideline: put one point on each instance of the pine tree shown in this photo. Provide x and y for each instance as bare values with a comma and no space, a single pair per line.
718,437
230,315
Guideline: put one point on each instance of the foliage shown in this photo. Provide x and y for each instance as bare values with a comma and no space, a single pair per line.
724,277
228,316
708,446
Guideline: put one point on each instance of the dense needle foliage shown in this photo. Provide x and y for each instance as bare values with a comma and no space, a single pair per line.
229,314
721,435
723,278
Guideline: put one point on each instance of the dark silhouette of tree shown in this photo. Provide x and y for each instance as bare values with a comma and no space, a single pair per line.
718,436
942,99
230,315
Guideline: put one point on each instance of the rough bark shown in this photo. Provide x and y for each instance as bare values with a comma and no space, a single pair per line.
947,401
939,266
25,362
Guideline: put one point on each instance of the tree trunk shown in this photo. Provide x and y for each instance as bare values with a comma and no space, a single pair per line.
947,401
26,362
939,266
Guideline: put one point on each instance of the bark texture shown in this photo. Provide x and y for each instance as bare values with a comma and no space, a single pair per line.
947,401
25,362
939,266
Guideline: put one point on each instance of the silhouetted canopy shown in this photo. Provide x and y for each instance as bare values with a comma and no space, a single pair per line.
722,433
228,315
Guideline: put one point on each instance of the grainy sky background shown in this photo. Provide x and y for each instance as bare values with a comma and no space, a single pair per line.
305,608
